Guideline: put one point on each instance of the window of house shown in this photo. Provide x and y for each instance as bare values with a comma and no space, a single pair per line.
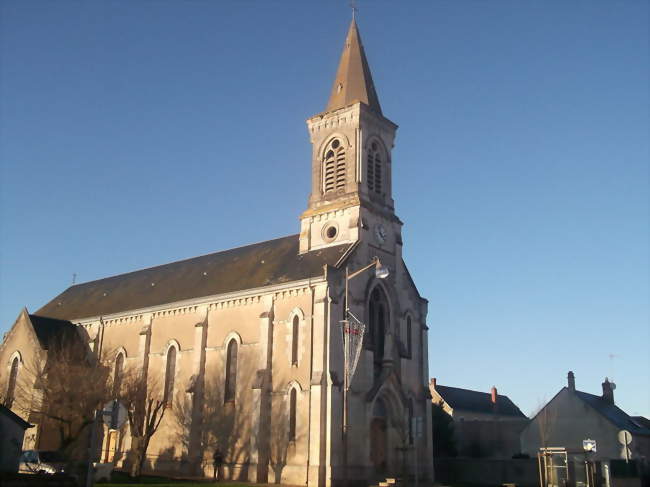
170,373
231,371
334,167
292,413
117,373
11,387
294,340
374,169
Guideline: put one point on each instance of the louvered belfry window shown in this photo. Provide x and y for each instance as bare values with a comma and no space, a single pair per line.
334,167
374,172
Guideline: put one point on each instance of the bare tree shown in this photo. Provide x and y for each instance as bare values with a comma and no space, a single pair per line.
68,387
545,418
207,423
145,406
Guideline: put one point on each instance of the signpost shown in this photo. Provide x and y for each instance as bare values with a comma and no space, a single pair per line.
625,438
114,414
589,445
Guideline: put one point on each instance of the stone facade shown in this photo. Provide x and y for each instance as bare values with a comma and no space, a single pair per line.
284,422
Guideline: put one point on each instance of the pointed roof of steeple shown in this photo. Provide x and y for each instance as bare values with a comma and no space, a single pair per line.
353,82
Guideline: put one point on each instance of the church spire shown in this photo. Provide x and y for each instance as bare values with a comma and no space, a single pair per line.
353,82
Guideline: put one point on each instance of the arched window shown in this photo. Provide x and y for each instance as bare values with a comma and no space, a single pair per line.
294,340
374,169
170,372
378,324
11,387
409,346
334,167
231,372
118,372
292,414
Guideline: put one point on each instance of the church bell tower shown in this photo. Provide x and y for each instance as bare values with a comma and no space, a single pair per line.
351,192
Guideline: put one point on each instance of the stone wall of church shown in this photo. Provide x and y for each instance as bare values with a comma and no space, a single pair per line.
253,430
22,344
382,403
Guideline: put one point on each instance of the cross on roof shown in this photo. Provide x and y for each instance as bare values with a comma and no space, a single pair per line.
353,6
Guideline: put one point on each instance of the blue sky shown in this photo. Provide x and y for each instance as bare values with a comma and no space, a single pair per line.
520,167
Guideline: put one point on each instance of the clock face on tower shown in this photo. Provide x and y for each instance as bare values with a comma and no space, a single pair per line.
380,233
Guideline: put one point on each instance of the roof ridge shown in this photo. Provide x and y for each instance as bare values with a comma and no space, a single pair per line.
180,260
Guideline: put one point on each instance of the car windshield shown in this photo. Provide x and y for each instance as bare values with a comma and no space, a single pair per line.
50,456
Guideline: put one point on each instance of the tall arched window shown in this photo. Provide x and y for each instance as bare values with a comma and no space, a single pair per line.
334,167
294,340
409,345
231,372
170,372
378,321
118,372
11,387
292,413
373,168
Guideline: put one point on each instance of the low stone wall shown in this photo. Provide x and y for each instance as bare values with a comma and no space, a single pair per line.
522,472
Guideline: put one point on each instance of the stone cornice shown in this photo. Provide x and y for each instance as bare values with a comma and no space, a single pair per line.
219,301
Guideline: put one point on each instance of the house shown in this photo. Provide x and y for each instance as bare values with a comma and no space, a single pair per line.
485,424
572,416
254,333
12,430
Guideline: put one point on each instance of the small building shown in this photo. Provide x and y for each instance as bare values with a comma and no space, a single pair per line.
572,416
486,425
12,431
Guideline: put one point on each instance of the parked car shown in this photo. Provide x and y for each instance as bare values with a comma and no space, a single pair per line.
42,462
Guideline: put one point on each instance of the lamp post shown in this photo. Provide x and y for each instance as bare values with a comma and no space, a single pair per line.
381,272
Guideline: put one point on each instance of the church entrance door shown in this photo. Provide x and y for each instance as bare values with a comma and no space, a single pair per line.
378,444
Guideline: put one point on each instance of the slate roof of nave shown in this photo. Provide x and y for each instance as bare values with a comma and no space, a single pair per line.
253,266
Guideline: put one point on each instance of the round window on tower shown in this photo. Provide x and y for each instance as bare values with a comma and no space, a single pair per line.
330,232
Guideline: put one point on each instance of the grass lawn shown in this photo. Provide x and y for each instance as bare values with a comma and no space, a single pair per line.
163,482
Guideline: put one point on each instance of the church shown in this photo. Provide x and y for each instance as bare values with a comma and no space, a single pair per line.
264,336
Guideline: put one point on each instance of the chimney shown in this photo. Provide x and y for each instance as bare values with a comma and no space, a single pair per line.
608,391
494,395
433,382
571,379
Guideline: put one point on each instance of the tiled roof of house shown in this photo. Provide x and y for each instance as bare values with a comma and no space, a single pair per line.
642,421
253,266
614,414
479,402
14,417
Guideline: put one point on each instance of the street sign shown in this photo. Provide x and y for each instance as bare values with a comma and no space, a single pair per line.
624,437
589,445
114,414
